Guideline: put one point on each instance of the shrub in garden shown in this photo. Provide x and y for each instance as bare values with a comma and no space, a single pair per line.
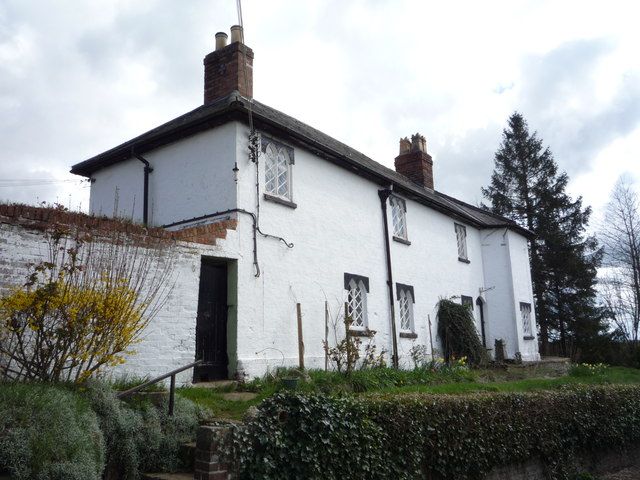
56,433
414,436
48,433
140,437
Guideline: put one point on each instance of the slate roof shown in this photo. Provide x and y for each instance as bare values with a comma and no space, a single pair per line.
236,107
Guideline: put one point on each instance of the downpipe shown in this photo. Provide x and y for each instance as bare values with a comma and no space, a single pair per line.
384,196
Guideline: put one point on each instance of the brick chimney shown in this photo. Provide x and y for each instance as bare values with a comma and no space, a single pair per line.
228,68
414,162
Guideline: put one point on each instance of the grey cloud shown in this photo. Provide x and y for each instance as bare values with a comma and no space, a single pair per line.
464,164
576,134
564,70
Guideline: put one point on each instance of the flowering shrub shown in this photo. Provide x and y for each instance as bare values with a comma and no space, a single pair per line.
81,309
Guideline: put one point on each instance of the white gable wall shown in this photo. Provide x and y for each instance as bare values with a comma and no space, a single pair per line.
117,191
190,178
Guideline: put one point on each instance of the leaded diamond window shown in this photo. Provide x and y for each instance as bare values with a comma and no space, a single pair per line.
461,237
277,169
357,304
525,315
399,217
406,311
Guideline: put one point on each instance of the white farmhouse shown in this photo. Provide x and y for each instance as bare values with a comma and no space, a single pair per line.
318,224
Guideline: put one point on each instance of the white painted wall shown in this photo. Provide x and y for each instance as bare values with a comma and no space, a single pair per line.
190,178
169,340
522,292
336,228
117,191
508,280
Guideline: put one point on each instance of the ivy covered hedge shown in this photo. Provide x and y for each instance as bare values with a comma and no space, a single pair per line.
413,436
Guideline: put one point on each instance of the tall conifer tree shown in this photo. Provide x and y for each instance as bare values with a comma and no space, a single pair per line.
527,187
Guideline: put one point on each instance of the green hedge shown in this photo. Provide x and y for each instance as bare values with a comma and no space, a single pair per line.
48,433
410,436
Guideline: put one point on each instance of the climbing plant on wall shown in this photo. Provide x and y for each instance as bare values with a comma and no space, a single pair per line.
458,333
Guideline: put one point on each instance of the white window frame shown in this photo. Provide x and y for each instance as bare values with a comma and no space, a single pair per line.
405,308
399,217
525,318
277,158
461,240
357,289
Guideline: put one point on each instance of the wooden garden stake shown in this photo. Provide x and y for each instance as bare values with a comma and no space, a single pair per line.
347,324
326,335
430,337
300,341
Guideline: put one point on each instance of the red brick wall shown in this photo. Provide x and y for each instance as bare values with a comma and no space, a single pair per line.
224,72
417,166
42,218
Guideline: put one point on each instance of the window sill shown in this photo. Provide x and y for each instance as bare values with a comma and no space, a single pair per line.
281,201
464,260
408,335
529,337
401,240
361,333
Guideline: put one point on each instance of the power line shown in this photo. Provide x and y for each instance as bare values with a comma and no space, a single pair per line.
36,182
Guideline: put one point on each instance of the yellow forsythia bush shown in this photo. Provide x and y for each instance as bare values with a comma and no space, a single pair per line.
79,311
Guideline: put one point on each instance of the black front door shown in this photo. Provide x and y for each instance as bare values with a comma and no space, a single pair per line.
211,324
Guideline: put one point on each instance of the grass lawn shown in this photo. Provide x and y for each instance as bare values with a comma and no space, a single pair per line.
219,402
230,403
613,375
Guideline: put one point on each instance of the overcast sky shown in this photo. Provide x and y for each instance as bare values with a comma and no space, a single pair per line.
78,77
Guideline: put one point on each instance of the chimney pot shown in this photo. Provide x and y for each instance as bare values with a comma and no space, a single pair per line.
418,143
221,40
405,145
236,34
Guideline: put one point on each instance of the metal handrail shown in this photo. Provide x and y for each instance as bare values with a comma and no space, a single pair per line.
172,388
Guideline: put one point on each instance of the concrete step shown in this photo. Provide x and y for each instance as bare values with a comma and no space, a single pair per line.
167,476
187,453
216,384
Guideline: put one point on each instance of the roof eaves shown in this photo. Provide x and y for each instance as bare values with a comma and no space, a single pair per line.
204,117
